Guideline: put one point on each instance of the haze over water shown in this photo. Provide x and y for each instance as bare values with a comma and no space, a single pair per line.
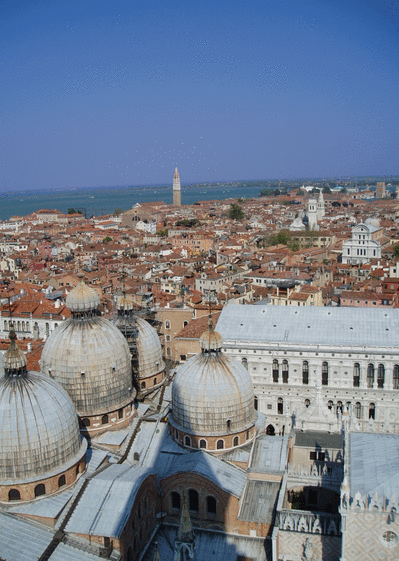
98,201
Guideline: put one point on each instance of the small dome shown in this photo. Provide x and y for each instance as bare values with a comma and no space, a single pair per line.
211,392
149,350
373,222
90,358
82,298
211,341
14,359
125,302
39,430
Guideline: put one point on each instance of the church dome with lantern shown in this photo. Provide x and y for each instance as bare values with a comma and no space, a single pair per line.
90,358
41,448
212,399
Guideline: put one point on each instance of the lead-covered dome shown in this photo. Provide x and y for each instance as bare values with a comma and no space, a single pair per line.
82,298
90,358
149,350
39,429
212,393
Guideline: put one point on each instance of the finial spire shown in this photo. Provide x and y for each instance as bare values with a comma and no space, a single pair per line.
14,358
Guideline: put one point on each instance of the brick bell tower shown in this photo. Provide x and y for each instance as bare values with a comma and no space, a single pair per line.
176,189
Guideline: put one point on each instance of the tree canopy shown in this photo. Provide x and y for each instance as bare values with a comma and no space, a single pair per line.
236,212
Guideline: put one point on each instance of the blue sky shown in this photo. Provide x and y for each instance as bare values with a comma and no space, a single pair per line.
96,93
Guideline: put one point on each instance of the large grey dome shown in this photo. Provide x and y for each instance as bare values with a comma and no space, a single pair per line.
209,390
90,358
149,350
39,430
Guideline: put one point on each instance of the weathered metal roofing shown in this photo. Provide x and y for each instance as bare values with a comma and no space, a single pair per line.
270,454
374,464
228,477
21,541
48,507
209,546
39,431
90,358
105,506
65,552
209,390
310,325
259,501
318,439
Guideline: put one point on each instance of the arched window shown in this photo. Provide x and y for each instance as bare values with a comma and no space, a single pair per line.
86,422
14,495
211,505
18,326
187,441
330,404
339,406
324,374
275,371
358,410
47,329
5,325
305,372
228,424
193,500
220,444
155,381
356,375
104,420
185,323
245,363
256,402
202,443
175,500
370,375
235,441
27,326
167,324
285,371
307,402
130,553
77,469
396,377
23,326
61,481
120,413
142,385
280,406
380,376
270,430
168,351
136,456
40,490
372,411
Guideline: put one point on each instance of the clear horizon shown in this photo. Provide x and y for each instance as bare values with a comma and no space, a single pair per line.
103,93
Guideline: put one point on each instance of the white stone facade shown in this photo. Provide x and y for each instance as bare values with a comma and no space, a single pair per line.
362,247
364,379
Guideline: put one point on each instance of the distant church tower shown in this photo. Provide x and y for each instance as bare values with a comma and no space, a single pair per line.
320,206
312,214
176,189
